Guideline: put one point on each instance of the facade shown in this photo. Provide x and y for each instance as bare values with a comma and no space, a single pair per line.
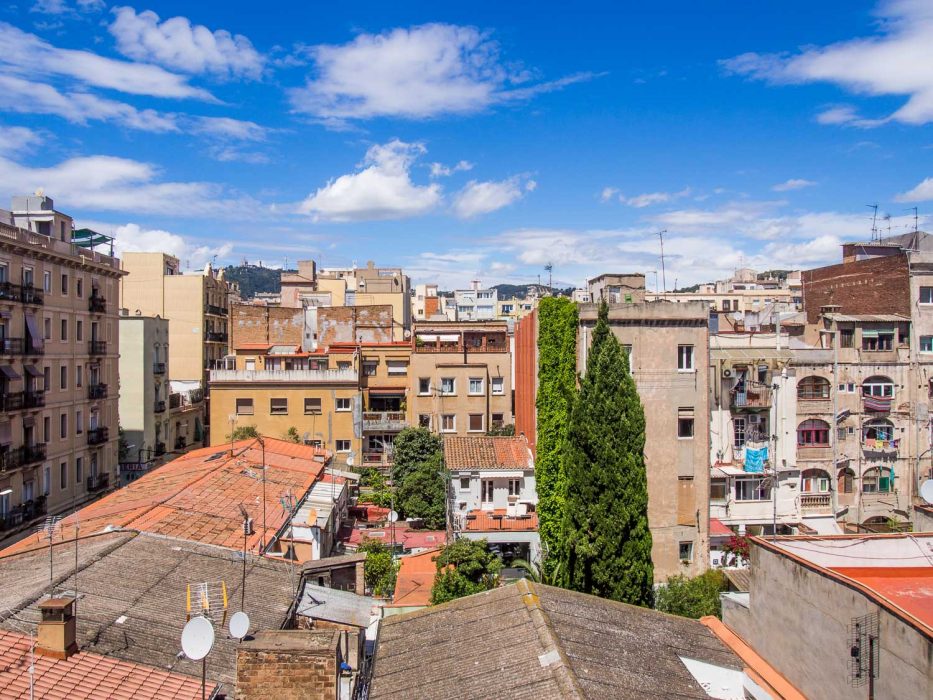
515,309
617,288
425,303
745,292
460,377
668,346
476,304
59,347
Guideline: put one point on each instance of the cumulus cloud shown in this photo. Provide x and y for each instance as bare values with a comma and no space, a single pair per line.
227,128
382,189
478,198
897,61
414,73
441,170
921,193
133,238
178,45
640,201
29,56
793,184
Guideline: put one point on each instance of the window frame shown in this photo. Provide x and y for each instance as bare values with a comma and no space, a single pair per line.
497,385
339,401
244,401
348,443
424,386
686,360
477,392
312,411
482,422
278,410
453,423
811,431
453,386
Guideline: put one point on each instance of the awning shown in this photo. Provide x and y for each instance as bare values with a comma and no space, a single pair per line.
33,371
10,373
427,337
385,390
498,473
35,336
449,337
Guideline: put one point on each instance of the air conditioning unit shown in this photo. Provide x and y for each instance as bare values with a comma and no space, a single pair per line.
727,373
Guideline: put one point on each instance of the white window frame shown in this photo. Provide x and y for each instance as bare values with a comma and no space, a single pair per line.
929,349
482,418
453,423
930,295
487,491
464,483
339,404
477,392
686,360
396,368
498,386
348,445
453,386
515,487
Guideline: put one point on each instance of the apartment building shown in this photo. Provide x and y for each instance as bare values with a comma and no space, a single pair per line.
58,363
745,292
475,303
615,288
460,377
159,418
515,309
425,302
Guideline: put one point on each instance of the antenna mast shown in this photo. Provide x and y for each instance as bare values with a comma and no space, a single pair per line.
550,268
660,235
916,218
874,221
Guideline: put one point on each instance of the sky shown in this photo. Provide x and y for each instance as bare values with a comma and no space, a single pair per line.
475,140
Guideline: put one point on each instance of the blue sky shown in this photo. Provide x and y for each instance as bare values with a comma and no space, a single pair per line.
475,140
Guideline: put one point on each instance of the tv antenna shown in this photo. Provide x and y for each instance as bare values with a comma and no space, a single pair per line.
549,268
874,221
916,217
48,529
660,235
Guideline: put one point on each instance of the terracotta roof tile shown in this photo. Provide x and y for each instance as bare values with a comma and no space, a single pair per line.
415,579
485,452
496,520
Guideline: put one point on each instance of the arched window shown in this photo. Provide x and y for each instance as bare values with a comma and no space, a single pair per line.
814,481
813,388
878,387
878,429
878,480
813,433
845,480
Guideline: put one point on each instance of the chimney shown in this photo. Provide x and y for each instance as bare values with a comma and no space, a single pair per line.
58,629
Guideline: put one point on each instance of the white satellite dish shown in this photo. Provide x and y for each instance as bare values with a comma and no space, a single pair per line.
239,625
350,460
926,491
197,638
393,516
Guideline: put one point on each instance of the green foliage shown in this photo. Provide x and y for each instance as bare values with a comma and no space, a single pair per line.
244,432
557,375
411,447
292,435
692,597
381,497
423,493
372,477
505,430
738,546
605,542
379,571
536,573
253,279
464,567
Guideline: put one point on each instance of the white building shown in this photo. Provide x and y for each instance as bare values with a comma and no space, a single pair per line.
476,304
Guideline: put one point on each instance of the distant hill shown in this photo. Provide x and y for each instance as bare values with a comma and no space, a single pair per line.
520,291
254,279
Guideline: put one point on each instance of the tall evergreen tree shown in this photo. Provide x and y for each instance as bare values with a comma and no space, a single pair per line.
605,541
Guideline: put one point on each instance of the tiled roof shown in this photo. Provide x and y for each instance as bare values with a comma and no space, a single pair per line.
86,676
718,529
132,592
484,452
404,536
415,579
197,496
485,521
527,640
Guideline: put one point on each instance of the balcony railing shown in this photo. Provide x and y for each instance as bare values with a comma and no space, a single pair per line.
97,436
215,310
174,400
96,305
812,502
753,396
215,337
158,368
457,347
384,420
291,376
159,449
159,407
97,347
98,483
12,401
97,391
22,456
33,399
18,346
25,293
377,459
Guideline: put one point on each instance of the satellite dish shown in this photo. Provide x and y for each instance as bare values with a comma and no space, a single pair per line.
197,638
350,460
239,625
393,516
926,491
312,516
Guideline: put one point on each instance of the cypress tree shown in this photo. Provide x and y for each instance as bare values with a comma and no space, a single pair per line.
605,541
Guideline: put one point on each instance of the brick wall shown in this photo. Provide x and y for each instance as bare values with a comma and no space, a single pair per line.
289,665
526,377
873,286
265,324
351,324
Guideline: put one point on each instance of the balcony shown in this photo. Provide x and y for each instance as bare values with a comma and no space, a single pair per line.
753,397
215,337
159,449
181,442
97,436
98,483
159,407
815,503
33,399
285,376
372,458
25,293
21,456
384,420
18,346
96,304
97,347
12,401
174,401
215,310
814,452
97,391
158,368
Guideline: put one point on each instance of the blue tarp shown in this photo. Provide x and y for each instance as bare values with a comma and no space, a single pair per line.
755,459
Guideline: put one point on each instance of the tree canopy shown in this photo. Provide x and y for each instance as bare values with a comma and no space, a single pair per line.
411,447
692,597
464,567
379,571
423,493
244,432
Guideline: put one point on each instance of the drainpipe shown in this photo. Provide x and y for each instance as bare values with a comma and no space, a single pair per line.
833,495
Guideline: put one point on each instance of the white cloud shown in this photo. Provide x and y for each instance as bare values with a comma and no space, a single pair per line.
898,61
28,56
793,184
178,45
414,73
61,7
106,183
227,128
16,139
921,193
608,193
27,97
478,198
441,170
133,238
383,189
731,215
640,201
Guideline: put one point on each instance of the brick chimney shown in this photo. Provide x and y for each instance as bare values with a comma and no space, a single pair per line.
57,634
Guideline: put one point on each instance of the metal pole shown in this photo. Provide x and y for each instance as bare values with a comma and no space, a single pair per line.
775,486
204,678
243,582
833,479
663,272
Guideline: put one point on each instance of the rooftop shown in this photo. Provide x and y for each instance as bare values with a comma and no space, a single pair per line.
197,496
483,452
86,676
527,640
340,607
415,579
407,537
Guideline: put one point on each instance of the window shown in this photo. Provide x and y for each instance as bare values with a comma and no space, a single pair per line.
244,407
754,489
79,421
345,404
498,385
343,445
498,420
278,407
46,429
424,386
846,338
926,343
685,426
312,407
63,376
47,282
926,295
64,284
464,483
813,433
813,388
79,376
64,332
738,433
343,365
424,420
448,423
878,429
46,378
448,386
685,551
476,422
878,480
726,305
476,385
878,387
814,481
486,491
629,349
515,487
47,480
63,476
369,369
79,330
79,470
79,287
397,368
717,490
47,329
63,425
685,358
845,481
877,340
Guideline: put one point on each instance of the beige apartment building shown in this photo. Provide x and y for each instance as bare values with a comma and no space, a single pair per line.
461,377
668,346
58,363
